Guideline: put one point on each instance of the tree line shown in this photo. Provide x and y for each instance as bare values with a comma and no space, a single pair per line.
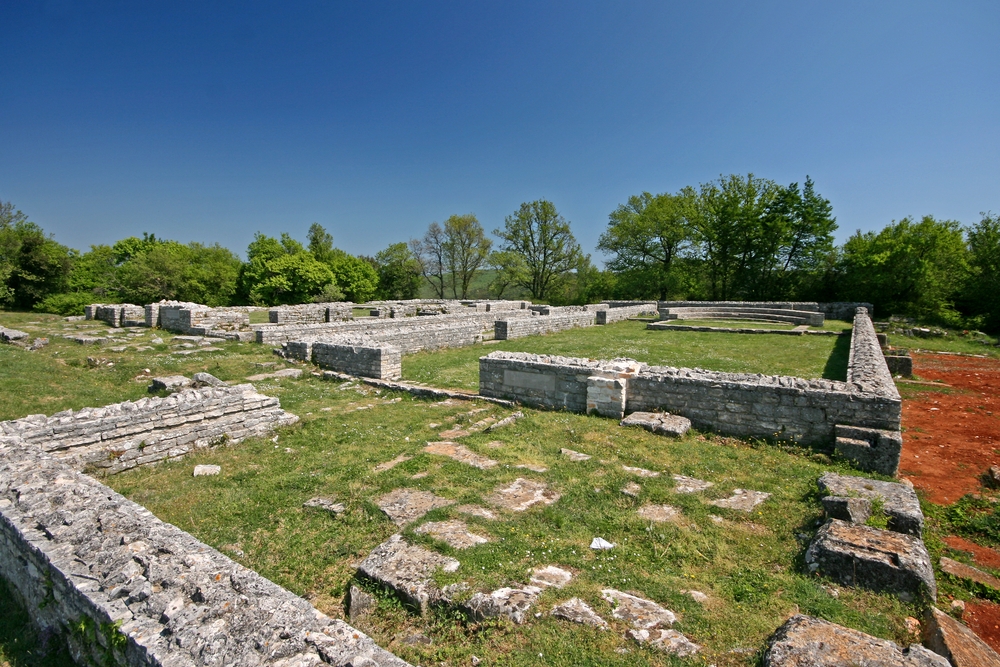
734,238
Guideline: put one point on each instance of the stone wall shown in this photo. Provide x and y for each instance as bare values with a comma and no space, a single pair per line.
844,310
311,313
121,587
393,331
765,406
747,405
509,328
126,435
116,315
545,381
623,304
383,362
196,319
619,313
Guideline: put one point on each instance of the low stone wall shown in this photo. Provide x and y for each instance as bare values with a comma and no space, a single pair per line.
759,313
624,304
126,435
811,412
121,587
311,313
844,310
116,315
196,319
783,305
383,362
394,331
507,329
546,381
764,406
619,313
866,365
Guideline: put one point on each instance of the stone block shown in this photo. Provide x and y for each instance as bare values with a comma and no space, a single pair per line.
804,641
606,396
970,574
849,499
408,570
661,423
872,449
881,560
169,383
956,642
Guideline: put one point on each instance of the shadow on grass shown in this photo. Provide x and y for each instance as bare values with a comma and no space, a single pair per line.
21,645
836,364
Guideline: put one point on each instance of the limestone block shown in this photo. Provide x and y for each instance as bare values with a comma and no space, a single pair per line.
804,641
849,499
576,610
956,642
606,396
969,573
876,450
510,602
408,570
661,423
169,383
882,560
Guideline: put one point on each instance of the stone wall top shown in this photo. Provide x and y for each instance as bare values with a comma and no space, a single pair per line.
98,559
866,365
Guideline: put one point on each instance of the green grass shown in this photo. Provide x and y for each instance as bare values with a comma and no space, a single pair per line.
751,566
828,325
800,356
955,341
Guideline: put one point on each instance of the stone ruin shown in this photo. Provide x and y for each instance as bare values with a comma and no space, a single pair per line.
860,417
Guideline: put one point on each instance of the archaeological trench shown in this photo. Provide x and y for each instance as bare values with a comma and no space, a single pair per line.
121,587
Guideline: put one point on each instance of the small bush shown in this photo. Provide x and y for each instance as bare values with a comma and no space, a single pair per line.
71,303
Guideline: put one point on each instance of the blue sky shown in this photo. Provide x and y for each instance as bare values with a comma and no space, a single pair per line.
210,121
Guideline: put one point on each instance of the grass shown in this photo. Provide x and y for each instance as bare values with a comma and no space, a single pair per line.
813,356
750,565
956,340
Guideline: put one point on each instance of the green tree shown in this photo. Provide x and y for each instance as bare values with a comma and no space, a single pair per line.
398,273
538,248
646,235
466,250
281,272
908,268
356,278
736,235
32,265
983,290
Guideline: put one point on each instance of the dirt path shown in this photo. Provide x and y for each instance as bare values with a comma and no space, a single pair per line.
951,437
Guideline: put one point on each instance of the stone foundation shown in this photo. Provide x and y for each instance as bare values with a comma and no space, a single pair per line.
507,329
121,587
809,412
126,435
383,362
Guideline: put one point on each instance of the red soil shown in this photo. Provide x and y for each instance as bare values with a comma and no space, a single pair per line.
983,618
950,439
981,555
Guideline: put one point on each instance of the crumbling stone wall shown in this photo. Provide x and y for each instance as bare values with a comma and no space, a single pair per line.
121,587
611,315
311,313
546,381
117,314
509,328
381,361
812,412
390,330
126,435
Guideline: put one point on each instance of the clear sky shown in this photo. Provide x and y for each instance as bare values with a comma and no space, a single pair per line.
210,121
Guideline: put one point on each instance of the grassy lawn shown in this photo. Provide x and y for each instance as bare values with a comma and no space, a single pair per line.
800,356
748,565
